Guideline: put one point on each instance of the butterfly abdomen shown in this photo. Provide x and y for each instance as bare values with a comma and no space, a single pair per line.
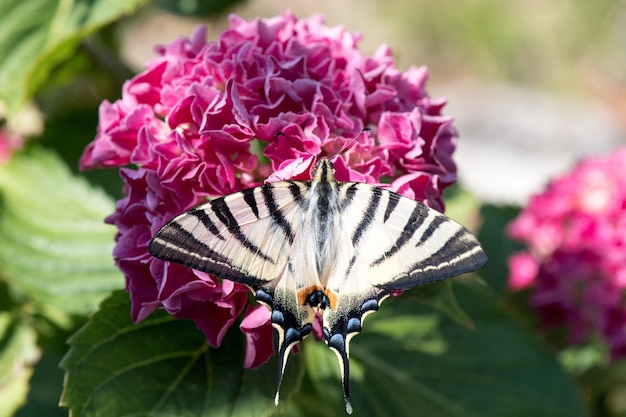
323,217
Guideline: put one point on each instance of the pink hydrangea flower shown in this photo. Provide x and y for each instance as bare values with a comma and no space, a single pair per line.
575,264
201,121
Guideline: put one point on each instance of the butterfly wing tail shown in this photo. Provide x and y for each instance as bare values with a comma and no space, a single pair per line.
287,340
343,320
339,344
291,329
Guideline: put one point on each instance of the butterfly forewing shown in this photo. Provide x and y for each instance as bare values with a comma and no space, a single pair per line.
234,237
402,243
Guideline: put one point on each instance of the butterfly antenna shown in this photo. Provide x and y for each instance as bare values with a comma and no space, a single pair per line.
316,157
294,142
347,145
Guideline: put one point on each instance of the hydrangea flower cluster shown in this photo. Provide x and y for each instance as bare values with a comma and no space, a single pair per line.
576,260
201,121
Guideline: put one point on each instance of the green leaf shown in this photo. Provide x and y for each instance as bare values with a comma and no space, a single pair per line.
461,206
38,35
496,244
197,8
410,360
56,250
164,367
46,385
70,145
18,353
440,296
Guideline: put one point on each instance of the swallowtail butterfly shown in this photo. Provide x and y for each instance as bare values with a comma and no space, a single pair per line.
338,248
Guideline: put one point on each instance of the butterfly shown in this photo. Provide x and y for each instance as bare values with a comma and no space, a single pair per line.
303,247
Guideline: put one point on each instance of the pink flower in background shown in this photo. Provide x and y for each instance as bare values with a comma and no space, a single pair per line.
575,263
9,142
200,121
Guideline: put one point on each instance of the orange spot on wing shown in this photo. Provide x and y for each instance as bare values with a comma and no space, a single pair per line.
332,298
305,292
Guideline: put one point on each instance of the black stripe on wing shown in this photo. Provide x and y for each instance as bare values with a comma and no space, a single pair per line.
460,254
223,213
175,244
250,199
394,199
368,215
200,214
415,220
366,220
349,190
276,214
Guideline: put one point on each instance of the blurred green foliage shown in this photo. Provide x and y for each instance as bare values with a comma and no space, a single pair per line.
555,44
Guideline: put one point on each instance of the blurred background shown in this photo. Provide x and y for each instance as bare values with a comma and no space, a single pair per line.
533,85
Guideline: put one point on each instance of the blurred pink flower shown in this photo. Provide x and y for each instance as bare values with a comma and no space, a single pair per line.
523,269
200,121
259,336
575,233
9,143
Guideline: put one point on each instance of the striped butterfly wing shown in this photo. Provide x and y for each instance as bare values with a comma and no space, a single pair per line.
233,237
255,238
389,242
305,246
399,243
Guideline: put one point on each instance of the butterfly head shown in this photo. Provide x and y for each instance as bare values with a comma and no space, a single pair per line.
323,167
323,170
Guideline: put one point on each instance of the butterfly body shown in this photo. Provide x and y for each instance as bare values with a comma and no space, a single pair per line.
338,248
